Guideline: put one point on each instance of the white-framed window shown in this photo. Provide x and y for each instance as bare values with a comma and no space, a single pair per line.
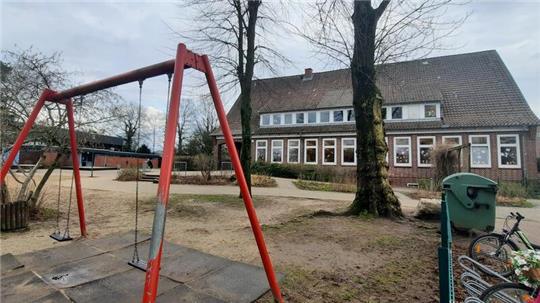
350,115
324,117
260,150
402,151
508,152
397,112
329,151
425,146
288,119
276,119
387,152
480,151
338,116
312,117
451,140
430,111
310,151
293,151
265,120
277,151
348,151
299,118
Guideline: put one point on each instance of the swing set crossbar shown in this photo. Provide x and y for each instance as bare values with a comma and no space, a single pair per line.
184,59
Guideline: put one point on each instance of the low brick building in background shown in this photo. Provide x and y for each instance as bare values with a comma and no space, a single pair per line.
458,99
95,151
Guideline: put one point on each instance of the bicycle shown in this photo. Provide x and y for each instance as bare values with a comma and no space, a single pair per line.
510,293
494,249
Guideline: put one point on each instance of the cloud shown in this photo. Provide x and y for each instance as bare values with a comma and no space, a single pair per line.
100,39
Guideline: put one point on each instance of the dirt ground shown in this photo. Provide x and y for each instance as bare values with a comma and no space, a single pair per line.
324,259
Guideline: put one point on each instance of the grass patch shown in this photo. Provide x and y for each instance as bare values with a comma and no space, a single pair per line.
199,180
324,186
176,200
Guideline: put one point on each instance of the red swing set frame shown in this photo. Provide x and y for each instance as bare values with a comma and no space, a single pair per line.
184,59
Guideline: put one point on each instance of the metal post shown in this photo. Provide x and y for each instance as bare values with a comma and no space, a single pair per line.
254,221
76,169
158,228
46,94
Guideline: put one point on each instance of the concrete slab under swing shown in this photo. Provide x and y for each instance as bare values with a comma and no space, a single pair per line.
96,271
84,271
8,262
25,286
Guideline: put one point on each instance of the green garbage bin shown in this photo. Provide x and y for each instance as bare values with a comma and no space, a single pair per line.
471,201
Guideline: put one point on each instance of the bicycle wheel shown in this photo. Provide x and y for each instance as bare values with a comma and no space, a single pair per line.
508,293
491,251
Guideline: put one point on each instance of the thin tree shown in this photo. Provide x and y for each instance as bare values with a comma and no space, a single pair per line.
186,113
386,32
128,121
235,35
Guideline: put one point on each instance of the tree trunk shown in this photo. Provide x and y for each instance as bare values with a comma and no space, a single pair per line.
246,77
374,194
35,195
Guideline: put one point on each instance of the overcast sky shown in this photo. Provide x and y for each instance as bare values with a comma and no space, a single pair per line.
100,38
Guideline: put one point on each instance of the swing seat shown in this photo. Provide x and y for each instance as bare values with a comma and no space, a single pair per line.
139,264
58,236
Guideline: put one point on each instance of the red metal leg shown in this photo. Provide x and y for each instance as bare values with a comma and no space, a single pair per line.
233,153
76,171
158,228
46,94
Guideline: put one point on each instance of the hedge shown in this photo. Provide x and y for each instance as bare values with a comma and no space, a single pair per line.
305,172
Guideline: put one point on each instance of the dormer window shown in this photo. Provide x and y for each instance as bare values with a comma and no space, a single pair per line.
383,113
397,112
430,111
312,117
276,119
350,115
299,118
325,117
265,119
338,116
288,118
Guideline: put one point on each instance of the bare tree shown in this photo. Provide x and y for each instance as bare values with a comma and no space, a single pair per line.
385,32
186,113
235,34
205,123
128,121
24,76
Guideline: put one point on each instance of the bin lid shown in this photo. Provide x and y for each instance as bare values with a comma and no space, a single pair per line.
468,178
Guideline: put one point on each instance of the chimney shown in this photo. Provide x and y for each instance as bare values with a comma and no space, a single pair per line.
308,74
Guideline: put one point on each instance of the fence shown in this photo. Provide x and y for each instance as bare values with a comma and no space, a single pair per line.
180,166
446,275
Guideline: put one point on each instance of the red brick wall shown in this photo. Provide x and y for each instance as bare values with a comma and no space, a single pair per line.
403,175
122,162
103,161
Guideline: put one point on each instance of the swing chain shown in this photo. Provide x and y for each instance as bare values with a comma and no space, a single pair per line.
66,231
57,230
135,257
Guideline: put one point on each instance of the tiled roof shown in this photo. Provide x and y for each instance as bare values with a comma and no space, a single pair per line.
475,90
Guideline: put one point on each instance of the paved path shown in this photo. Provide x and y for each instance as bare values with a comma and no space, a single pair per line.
104,180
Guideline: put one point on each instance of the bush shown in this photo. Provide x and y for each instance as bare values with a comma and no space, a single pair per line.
262,181
446,162
305,172
512,190
127,174
205,164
